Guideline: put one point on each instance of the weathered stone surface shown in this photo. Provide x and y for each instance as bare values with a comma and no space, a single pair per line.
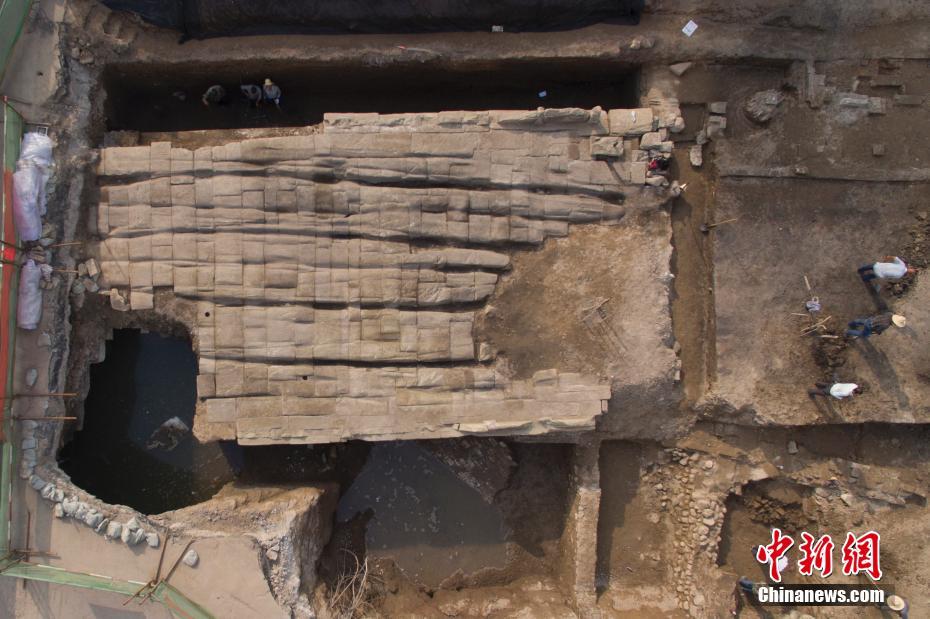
760,107
696,155
609,147
679,68
631,122
909,100
299,279
191,558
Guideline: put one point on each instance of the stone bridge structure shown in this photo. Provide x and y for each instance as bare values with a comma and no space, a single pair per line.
336,273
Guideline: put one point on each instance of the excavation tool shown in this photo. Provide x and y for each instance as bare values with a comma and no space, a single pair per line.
705,228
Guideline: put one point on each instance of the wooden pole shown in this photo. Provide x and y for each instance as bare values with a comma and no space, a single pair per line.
67,244
41,395
44,418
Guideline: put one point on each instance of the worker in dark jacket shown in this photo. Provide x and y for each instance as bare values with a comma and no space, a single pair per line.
215,95
877,324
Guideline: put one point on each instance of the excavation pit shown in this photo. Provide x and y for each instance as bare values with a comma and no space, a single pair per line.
134,446
153,97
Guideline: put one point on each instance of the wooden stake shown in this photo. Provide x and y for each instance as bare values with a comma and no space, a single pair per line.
45,418
41,395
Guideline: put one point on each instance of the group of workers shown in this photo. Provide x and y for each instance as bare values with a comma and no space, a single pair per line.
893,269
269,92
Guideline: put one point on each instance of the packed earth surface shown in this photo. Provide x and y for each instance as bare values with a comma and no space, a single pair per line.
435,335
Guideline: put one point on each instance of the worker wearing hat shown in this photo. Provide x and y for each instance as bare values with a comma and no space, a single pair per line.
864,327
898,604
272,92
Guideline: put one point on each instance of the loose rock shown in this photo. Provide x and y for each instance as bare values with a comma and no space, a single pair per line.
191,558
760,107
679,68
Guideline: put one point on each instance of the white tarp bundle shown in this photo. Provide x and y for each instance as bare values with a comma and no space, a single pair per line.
27,185
29,304
32,172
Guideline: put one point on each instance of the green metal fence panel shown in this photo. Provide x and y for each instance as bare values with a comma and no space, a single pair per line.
45,573
12,130
12,17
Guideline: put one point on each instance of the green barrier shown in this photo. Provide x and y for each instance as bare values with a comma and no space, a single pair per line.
177,603
12,17
163,593
12,129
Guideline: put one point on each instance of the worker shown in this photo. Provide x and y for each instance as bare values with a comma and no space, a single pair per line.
215,95
252,93
746,586
892,268
898,604
877,324
658,166
272,92
835,390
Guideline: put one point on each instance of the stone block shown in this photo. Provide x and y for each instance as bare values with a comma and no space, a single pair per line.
679,68
141,300
909,100
606,147
631,122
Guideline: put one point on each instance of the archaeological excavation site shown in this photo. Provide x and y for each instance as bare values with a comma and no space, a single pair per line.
510,308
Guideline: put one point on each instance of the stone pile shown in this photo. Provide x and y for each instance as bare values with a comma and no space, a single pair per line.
131,532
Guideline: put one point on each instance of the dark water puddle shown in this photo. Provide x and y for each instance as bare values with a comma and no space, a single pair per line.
120,455
422,516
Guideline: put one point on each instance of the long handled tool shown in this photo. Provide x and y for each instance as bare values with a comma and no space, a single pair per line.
705,228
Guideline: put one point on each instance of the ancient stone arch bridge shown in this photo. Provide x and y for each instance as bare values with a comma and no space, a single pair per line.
337,273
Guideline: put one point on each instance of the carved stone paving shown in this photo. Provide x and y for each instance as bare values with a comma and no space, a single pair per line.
336,275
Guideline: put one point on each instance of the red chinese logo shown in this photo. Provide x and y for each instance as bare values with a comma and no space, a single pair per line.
771,553
817,555
860,554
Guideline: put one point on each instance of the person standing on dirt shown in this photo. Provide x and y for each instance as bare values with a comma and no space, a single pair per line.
893,268
215,95
898,605
835,390
874,325
252,93
272,92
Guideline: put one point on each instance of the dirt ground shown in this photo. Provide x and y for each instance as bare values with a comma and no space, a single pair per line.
709,439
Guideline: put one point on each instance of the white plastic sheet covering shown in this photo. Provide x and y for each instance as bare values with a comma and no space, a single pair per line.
29,305
37,149
27,185
32,172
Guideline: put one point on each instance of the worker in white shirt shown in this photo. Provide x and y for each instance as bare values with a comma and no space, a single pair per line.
271,92
835,390
892,268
